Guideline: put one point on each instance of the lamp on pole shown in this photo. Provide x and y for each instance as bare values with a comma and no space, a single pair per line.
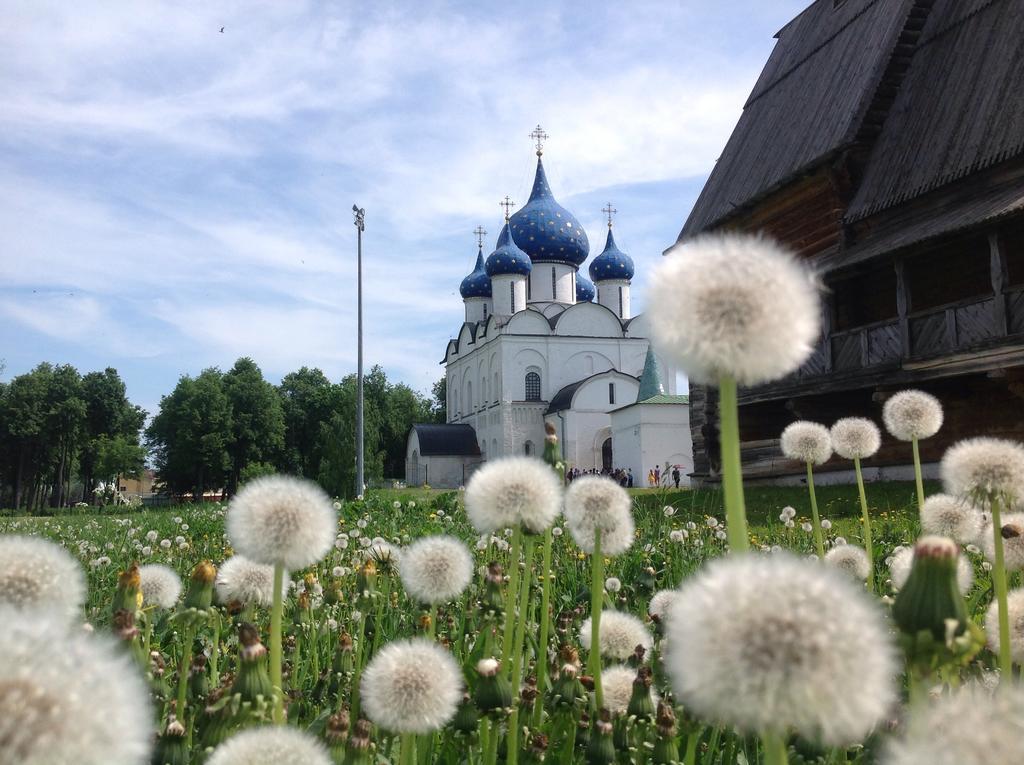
360,226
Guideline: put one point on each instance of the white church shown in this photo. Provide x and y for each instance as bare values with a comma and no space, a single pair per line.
543,343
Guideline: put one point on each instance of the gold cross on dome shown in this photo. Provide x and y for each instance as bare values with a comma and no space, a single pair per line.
609,211
539,137
480,234
508,204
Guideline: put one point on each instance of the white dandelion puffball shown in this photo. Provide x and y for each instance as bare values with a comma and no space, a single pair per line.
912,414
35,573
969,727
282,520
595,503
902,559
513,491
1013,542
1015,610
277,745
160,585
620,634
855,438
661,602
247,582
851,559
411,686
68,697
983,468
617,687
948,516
807,442
734,305
773,643
436,569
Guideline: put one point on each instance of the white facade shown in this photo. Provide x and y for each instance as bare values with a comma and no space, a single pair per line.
613,294
645,436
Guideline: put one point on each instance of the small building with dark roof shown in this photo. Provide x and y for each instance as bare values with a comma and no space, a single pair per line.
442,456
884,144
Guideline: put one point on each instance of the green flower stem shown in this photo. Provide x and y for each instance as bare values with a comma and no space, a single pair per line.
543,680
357,674
408,756
732,471
276,609
214,651
690,758
596,601
999,580
517,654
188,637
774,749
917,474
819,541
510,597
432,629
867,524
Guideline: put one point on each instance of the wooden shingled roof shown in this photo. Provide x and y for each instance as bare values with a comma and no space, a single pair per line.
956,107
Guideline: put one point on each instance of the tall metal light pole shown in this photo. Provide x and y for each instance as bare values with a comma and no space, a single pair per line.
360,226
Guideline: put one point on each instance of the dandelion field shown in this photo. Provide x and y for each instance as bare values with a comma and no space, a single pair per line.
336,617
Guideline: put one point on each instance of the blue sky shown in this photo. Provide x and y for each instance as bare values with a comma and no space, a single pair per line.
173,197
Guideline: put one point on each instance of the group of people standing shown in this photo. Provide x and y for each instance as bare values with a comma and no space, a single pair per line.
625,477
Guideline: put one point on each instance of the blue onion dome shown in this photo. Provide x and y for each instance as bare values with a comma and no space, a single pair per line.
507,258
546,230
585,289
478,283
613,263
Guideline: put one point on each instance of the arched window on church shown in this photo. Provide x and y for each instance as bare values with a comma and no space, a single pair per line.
485,312
552,282
620,302
469,397
512,291
529,288
532,386
528,448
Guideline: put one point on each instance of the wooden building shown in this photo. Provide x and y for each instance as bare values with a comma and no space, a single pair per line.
884,142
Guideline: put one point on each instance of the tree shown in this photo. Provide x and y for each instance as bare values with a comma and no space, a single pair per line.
306,404
109,416
190,435
257,423
439,406
119,455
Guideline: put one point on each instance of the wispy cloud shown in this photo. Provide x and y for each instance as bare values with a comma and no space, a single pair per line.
192,188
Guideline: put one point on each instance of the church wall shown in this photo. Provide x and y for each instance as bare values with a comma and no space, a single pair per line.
540,289
614,295
477,309
649,435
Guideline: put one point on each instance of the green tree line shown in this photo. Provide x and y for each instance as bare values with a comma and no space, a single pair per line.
63,434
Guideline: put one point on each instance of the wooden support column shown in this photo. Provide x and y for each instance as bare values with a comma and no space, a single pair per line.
902,307
997,269
828,310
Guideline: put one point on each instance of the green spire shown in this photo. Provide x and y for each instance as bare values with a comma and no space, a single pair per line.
650,380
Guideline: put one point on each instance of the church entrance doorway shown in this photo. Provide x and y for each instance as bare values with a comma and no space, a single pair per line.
606,455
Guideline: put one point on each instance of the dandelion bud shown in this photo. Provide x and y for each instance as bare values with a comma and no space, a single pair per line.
171,746
200,589
641,702
127,595
601,747
493,690
359,748
467,717
931,597
666,750
336,734
493,600
253,680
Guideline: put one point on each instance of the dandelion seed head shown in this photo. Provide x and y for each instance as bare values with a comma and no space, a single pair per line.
68,696
513,491
969,727
247,582
612,584
595,503
38,574
851,560
617,686
620,634
734,305
277,745
1015,610
807,442
282,520
948,516
436,569
1013,541
773,643
912,414
984,467
160,585
661,602
855,438
411,686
